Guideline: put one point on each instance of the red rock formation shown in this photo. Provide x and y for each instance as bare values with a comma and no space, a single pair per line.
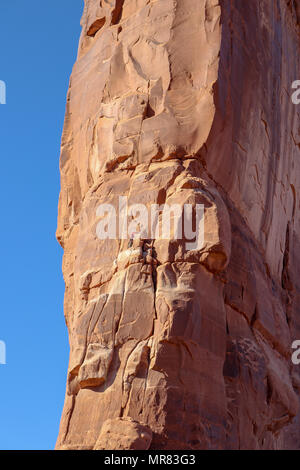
183,101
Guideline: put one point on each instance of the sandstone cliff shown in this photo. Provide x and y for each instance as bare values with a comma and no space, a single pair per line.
183,101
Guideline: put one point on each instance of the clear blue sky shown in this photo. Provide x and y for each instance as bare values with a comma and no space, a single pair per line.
38,49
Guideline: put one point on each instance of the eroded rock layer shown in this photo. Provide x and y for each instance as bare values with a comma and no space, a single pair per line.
183,101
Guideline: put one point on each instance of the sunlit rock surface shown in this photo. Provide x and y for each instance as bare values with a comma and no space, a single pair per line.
183,101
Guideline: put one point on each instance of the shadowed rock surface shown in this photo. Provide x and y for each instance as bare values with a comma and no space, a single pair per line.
183,101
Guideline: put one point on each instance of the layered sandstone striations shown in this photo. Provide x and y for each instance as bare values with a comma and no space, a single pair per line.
175,101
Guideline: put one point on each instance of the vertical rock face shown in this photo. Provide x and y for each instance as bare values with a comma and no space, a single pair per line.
174,102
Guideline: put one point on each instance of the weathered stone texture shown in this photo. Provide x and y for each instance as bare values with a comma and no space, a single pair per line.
183,101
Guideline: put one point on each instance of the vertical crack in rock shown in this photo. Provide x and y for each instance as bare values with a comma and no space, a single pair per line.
117,12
